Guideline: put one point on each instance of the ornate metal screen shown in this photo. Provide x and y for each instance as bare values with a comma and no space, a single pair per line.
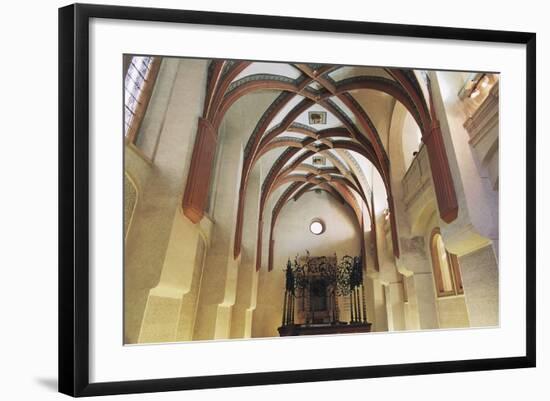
316,282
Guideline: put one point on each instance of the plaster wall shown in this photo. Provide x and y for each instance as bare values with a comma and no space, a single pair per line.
452,312
378,300
395,306
411,137
474,236
160,183
378,106
412,318
247,285
292,237
222,273
480,277
477,221
182,278
419,312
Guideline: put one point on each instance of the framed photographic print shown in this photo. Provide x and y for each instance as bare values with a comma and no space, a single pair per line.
250,199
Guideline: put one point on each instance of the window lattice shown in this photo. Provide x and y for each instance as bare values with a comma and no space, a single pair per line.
135,80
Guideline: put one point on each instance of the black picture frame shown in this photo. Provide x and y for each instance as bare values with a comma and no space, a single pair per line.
74,194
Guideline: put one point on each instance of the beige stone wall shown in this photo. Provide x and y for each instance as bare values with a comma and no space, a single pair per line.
412,319
480,277
477,222
130,201
292,237
247,284
474,235
188,308
452,312
221,314
413,214
181,280
154,281
177,290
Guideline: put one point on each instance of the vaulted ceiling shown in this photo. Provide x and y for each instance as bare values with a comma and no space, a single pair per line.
327,127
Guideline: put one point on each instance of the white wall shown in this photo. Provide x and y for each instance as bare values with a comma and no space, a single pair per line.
29,344
292,237
411,139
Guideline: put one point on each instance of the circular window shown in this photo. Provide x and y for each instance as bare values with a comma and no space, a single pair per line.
316,227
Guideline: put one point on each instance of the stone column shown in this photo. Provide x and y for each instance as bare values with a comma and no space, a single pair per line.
421,294
219,282
247,285
412,318
221,270
170,311
425,300
479,271
376,304
394,300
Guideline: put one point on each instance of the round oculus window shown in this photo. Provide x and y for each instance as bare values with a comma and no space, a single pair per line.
316,227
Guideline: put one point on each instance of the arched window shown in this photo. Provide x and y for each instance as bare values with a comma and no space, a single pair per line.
448,280
139,79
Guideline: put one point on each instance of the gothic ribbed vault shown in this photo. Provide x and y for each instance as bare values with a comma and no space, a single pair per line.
350,105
